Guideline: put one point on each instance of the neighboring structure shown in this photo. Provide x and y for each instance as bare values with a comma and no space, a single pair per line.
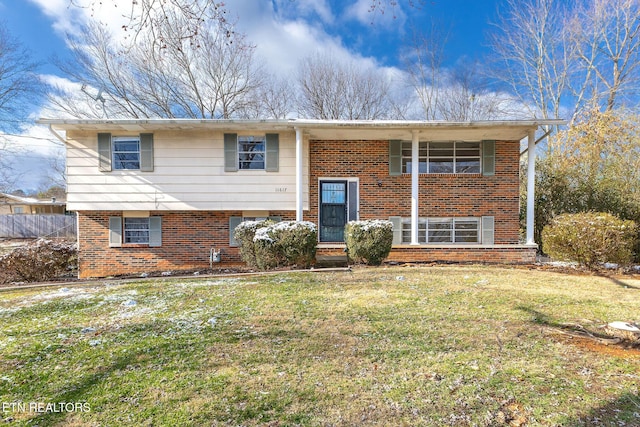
154,195
10,204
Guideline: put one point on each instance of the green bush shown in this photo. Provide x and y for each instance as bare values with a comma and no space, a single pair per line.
369,241
590,239
286,243
244,234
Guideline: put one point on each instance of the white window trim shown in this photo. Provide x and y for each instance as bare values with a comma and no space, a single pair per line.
126,234
114,162
251,138
423,230
424,146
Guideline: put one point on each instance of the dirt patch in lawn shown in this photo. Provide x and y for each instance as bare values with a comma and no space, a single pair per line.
623,349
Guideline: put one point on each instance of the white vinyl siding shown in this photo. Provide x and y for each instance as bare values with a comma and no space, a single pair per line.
189,174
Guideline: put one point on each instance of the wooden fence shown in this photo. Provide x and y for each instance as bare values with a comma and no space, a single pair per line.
34,226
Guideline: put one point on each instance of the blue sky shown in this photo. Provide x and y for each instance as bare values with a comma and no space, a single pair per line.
284,31
369,34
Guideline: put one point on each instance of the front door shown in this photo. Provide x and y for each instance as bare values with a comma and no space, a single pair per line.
333,210
338,205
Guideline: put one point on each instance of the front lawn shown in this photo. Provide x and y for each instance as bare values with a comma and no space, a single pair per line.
431,346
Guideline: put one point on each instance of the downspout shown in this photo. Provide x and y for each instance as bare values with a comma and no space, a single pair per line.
531,186
299,182
415,172
57,135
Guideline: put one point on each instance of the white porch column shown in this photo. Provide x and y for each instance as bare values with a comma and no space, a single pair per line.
299,183
415,173
531,185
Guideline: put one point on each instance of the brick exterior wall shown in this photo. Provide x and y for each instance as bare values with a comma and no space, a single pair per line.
188,236
441,195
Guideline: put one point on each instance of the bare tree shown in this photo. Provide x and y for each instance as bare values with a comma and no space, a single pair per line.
533,54
563,58
467,95
8,177
342,90
19,89
277,98
18,81
458,93
147,16
424,65
606,36
212,75
56,176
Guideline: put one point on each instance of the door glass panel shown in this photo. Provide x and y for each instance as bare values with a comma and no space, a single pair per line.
333,211
334,192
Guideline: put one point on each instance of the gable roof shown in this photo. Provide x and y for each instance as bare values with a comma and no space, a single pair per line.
507,130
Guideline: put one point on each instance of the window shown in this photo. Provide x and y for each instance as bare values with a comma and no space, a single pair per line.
443,157
406,157
126,153
443,230
251,152
136,230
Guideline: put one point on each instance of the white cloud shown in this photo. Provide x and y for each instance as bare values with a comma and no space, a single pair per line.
283,37
383,14
30,155
310,9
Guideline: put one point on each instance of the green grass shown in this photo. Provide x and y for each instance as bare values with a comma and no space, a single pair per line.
432,346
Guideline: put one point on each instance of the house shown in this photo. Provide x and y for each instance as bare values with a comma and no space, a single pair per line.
10,204
160,194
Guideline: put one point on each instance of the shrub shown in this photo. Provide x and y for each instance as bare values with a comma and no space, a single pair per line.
38,261
286,243
244,234
590,239
369,241
267,244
